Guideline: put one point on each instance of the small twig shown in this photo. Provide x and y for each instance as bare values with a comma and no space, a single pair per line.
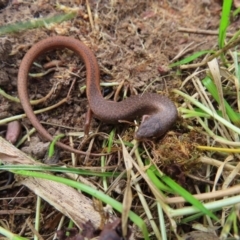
36,233
202,31
119,88
70,89
200,179
90,14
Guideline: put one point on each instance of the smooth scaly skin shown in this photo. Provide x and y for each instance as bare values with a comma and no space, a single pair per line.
159,113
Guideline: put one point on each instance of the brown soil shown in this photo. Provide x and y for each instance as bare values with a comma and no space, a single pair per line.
134,42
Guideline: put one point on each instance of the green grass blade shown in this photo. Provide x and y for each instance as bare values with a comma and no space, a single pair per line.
224,22
211,87
187,196
236,12
157,182
51,149
10,235
190,58
82,172
226,123
182,192
35,23
93,192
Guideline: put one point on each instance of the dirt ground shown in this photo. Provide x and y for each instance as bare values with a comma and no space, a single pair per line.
134,42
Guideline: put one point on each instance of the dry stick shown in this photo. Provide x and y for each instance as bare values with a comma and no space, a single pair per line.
200,179
207,196
44,99
71,87
227,47
117,92
201,31
36,233
15,211
90,14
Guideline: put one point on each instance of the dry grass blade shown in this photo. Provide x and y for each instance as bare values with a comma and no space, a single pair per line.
129,162
220,171
208,195
214,69
127,199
